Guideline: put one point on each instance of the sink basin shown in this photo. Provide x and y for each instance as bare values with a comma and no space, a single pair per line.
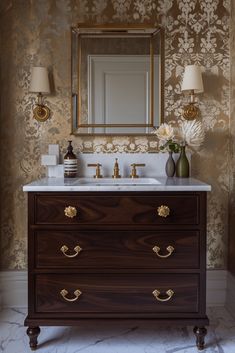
111,181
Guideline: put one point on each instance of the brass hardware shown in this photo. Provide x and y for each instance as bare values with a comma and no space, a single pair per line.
170,250
41,113
97,171
116,170
64,293
70,211
157,294
133,171
190,111
64,250
163,211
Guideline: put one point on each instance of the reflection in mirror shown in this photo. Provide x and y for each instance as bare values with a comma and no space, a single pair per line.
117,79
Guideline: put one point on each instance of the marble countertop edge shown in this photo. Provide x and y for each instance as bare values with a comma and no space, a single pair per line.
165,184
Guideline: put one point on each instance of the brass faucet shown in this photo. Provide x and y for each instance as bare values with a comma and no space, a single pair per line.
133,171
97,171
116,170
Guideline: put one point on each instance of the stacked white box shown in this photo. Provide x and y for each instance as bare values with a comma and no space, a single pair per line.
51,160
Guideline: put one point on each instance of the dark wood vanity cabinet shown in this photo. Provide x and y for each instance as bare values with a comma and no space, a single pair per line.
107,255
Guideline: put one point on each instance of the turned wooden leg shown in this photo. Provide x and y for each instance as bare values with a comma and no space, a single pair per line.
200,333
33,333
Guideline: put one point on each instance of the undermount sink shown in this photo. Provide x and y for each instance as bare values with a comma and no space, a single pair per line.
114,181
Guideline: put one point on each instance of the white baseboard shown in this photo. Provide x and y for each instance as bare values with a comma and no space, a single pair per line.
216,287
14,288
230,302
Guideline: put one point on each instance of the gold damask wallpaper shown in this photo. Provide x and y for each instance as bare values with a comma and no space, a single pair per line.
232,153
37,32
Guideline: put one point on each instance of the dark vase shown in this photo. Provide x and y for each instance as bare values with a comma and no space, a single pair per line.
182,164
170,166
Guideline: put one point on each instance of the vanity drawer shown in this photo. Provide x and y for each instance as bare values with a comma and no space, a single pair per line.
117,293
117,249
117,209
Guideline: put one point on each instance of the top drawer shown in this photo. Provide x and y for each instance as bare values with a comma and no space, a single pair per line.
141,209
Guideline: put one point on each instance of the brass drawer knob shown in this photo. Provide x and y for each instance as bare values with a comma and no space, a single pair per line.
157,294
64,250
64,294
157,250
70,211
163,211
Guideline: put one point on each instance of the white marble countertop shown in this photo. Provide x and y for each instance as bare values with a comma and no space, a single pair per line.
86,184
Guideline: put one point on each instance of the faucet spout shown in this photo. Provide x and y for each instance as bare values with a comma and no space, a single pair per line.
116,170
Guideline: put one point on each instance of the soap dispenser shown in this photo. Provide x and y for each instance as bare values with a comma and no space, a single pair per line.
70,163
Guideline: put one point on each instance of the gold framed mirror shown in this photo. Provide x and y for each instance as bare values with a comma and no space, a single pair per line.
117,79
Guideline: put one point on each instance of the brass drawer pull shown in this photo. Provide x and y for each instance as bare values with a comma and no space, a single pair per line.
64,250
163,211
157,250
70,211
77,294
157,293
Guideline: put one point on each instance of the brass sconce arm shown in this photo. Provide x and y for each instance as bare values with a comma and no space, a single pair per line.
192,96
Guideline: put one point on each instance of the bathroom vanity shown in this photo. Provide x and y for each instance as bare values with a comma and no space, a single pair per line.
110,250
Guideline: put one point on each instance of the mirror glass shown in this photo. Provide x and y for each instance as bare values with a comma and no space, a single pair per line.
117,79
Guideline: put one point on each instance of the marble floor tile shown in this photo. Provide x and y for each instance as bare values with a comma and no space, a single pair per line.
117,337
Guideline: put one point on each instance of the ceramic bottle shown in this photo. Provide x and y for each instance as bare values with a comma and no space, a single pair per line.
182,164
170,165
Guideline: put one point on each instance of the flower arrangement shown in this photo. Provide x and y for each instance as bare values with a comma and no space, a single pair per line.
187,133
175,139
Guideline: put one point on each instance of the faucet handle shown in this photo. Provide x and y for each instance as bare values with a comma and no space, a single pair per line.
97,171
133,171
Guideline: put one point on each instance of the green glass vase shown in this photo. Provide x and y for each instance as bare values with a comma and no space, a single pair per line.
182,164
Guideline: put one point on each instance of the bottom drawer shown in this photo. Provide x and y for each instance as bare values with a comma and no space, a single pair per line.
117,293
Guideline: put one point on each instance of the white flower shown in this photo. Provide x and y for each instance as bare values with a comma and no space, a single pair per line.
191,132
165,132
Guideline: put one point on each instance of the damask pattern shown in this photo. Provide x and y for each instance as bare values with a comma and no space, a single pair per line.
38,33
232,148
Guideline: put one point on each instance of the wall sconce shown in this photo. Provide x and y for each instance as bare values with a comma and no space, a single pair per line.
40,84
191,84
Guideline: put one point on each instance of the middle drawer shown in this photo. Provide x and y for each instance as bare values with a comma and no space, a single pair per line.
117,249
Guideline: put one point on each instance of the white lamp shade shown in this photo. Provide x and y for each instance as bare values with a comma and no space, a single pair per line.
39,80
192,79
